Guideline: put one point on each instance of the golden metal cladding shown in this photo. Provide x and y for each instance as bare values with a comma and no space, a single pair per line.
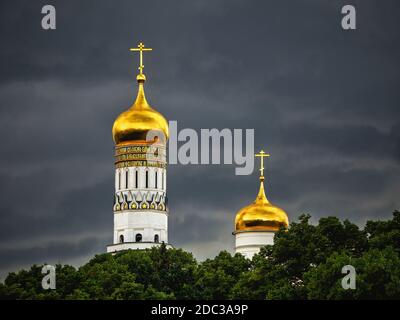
135,123
135,155
126,164
261,215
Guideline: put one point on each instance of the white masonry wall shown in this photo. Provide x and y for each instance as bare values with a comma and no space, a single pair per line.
248,243
130,222
124,175
148,223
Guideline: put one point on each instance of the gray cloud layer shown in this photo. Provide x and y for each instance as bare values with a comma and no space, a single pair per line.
323,102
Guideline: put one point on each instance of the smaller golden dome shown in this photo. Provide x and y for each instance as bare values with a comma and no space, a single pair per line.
261,215
135,123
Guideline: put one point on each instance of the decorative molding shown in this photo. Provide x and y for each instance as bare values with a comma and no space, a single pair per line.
144,163
140,200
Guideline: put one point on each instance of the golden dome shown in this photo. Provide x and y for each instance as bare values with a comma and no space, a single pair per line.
138,120
261,215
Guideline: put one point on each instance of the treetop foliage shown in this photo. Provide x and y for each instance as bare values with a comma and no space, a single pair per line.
304,263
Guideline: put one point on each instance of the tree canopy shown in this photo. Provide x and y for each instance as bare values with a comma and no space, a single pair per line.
305,262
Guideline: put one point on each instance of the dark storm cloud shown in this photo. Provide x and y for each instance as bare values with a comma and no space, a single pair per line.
49,253
42,211
323,102
191,226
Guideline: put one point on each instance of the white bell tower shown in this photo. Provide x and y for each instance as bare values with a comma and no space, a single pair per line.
257,223
140,199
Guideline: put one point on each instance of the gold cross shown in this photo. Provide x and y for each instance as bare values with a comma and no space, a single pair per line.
141,48
262,154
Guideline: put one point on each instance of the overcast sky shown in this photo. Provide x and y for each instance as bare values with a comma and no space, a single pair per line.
323,101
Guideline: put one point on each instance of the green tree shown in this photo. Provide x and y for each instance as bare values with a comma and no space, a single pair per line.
377,276
217,277
384,233
304,263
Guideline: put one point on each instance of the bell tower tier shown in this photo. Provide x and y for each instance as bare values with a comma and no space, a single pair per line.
140,200
257,223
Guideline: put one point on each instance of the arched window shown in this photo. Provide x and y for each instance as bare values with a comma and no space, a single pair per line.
156,238
121,238
136,179
156,179
119,180
126,179
147,178
138,237
162,180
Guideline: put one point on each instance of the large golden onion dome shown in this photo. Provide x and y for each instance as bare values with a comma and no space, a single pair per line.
261,215
134,123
